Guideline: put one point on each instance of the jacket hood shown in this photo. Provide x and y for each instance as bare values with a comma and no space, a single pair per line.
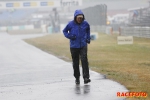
78,12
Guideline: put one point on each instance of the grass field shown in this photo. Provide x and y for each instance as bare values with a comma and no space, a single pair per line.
126,64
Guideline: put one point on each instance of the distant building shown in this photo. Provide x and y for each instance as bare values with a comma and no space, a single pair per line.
119,18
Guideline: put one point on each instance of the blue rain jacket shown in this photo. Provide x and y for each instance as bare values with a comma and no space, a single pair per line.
81,31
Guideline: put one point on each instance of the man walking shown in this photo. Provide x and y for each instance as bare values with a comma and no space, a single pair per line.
78,31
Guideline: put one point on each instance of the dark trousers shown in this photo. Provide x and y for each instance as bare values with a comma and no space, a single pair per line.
81,53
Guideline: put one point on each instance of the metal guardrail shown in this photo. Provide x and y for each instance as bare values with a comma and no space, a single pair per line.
101,29
135,31
98,28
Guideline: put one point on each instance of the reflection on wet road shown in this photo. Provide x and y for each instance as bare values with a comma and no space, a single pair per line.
27,73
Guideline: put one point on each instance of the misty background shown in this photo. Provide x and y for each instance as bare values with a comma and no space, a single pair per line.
103,15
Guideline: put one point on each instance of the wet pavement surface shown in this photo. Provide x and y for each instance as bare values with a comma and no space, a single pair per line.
27,73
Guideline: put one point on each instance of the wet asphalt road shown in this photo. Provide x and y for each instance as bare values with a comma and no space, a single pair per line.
27,73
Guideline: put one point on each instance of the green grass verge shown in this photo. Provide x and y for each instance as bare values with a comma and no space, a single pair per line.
126,64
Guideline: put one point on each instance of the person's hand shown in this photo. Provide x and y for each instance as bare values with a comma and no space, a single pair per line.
88,41
73,37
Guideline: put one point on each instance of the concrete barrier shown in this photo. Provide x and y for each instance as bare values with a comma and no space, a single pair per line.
29,31
25,29
3,29
44,28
